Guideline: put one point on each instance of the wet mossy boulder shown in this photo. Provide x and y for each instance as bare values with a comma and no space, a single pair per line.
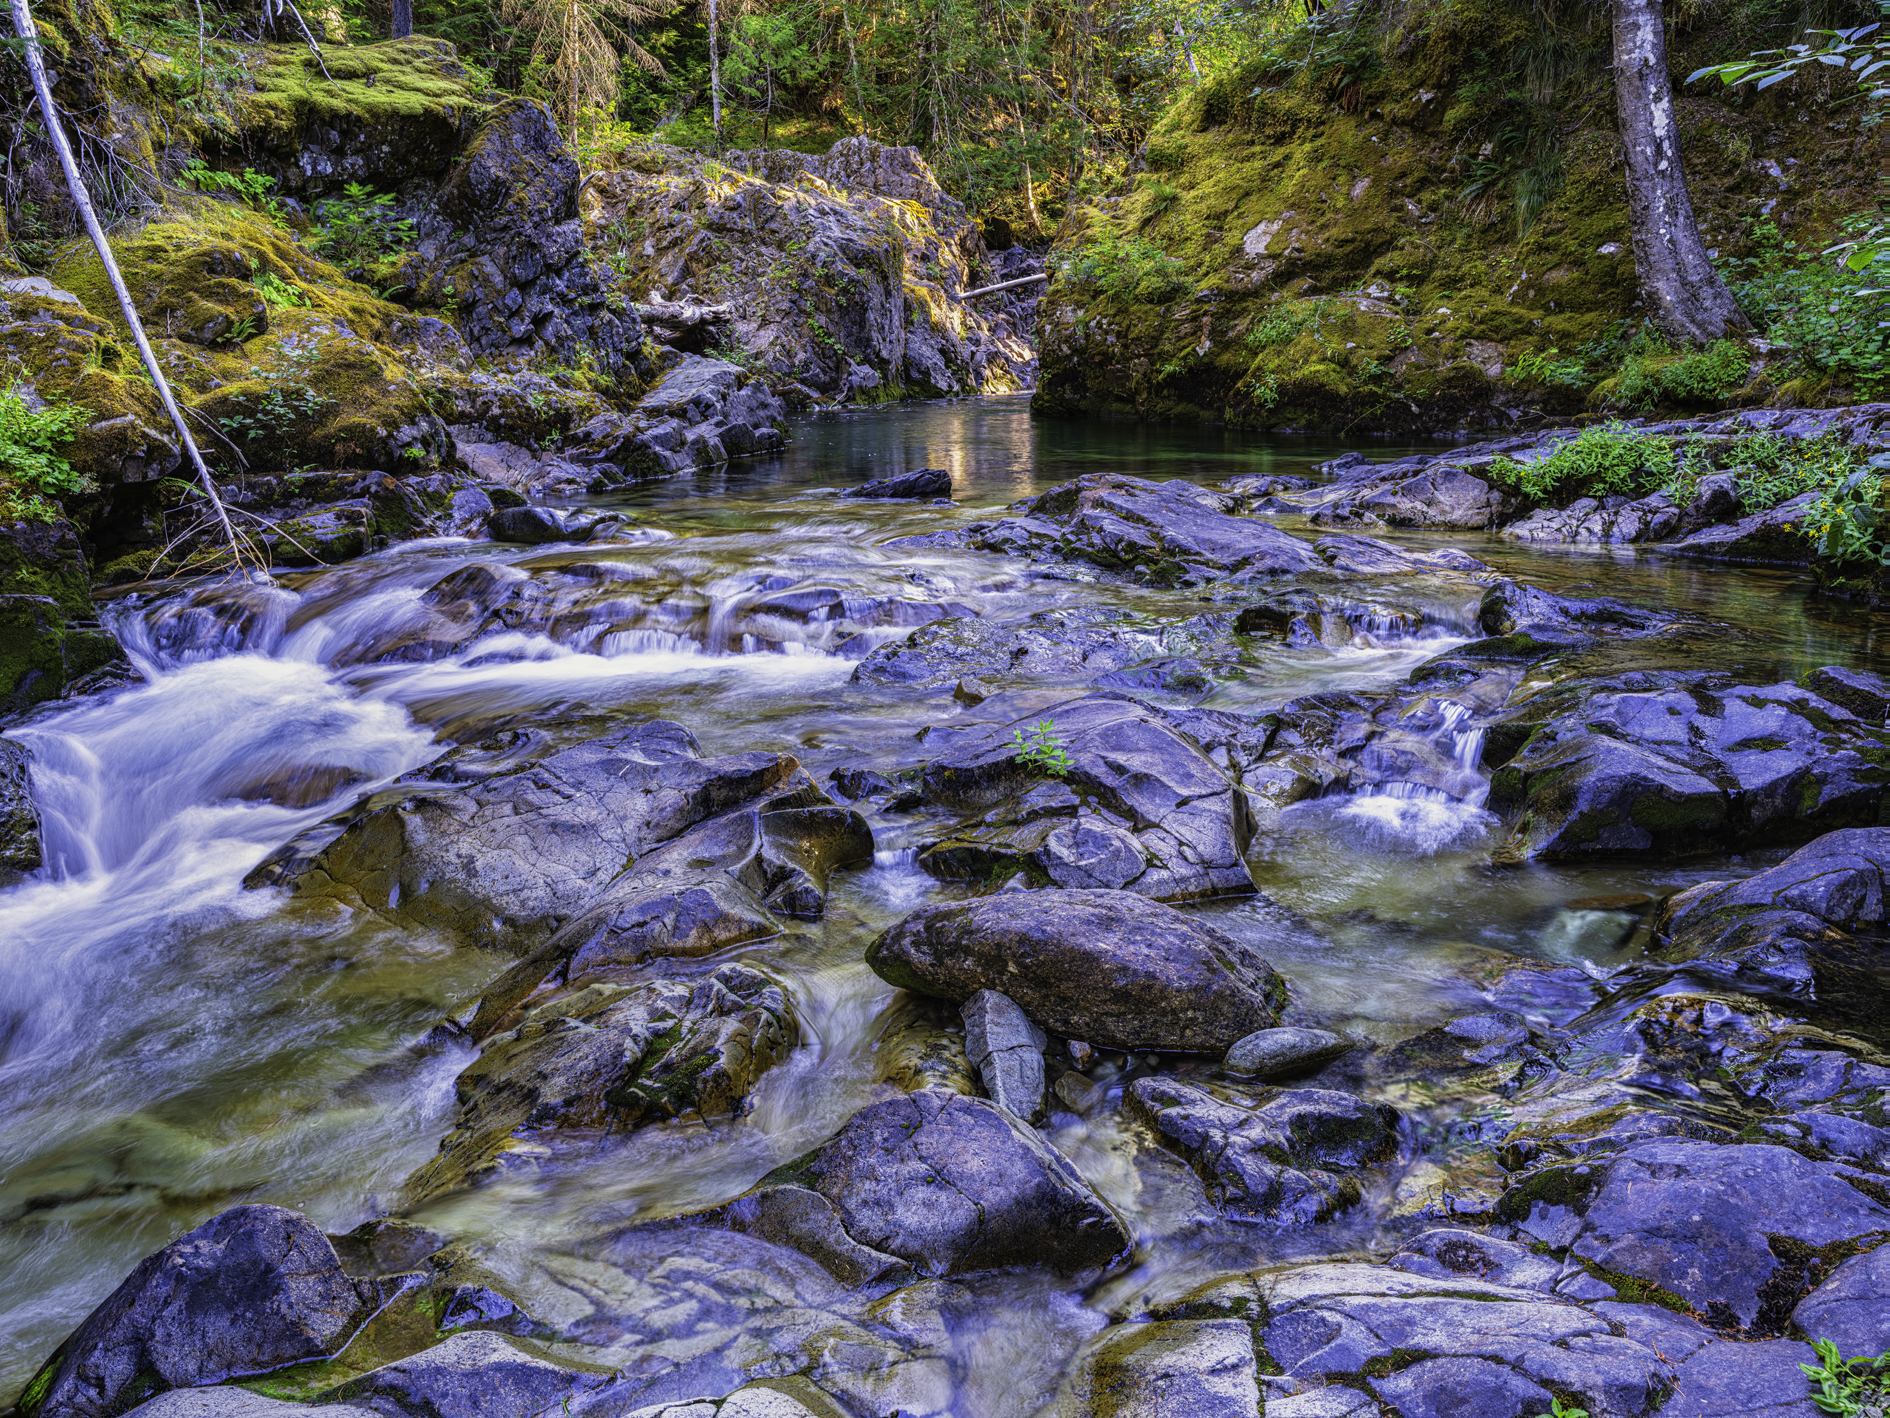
607,1058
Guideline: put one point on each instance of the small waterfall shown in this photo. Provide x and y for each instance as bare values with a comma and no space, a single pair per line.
1428,816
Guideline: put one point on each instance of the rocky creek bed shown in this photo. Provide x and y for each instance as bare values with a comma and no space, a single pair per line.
621,965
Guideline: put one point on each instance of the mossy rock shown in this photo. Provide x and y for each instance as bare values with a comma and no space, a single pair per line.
385,114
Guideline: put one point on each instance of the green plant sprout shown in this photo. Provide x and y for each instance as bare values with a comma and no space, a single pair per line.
1851,1388
1040,747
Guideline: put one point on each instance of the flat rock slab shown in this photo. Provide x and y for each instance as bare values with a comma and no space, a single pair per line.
1109,967
1165,1369
225,1402
1745,1381
472,1375
952,1184
1705,1222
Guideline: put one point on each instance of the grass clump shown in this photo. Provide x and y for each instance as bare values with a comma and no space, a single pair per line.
1599,462
1129,269
1656,375
31,470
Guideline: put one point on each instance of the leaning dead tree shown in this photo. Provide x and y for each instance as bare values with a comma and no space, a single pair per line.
28,33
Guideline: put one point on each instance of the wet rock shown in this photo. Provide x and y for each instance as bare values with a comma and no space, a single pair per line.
1139,807
1715,499
1109,967
1730,1230
1056,644
385,1247
504,860
531,525
1448,1252
1442,497
1673,771
224,1402
1604,520
1269,1053
923,1046
1852,1308
1332,1321
1166,533
1166,1369
609,1057
1773,536
1744,1381
1274,1160
1509,607
252,1289
1839,880
1007,1050
1369,556
920,482
1865,695
19,821
950,1184
475,1375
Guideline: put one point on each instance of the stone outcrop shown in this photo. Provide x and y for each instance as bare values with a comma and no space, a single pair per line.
1108,967
796,244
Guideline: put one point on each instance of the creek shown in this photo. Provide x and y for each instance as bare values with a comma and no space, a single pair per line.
172,1044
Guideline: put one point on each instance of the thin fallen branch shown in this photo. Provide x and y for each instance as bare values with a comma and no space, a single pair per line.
28,32
1007,285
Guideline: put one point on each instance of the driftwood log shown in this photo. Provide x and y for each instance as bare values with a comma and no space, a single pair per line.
677,321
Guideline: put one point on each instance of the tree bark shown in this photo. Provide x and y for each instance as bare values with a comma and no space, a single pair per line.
1691,303
715,79
403,19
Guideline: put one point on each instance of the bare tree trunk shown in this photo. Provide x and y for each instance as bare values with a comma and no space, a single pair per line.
24,27
715,79
403,19
1690,301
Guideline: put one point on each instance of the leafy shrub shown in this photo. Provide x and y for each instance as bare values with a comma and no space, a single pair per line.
248,186
30,470
1657,376
1129,269
1829,318
1282,327
360,227
1768,470
278,292
1541,369
1597,462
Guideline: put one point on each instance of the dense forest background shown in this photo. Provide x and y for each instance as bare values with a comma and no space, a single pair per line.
1025,107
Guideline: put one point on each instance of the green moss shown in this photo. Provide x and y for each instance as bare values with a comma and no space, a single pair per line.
396,81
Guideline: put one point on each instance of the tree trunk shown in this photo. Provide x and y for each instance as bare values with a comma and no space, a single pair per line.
715,80
1691,303
403,19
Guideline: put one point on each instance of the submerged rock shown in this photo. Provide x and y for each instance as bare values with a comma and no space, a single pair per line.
1268,1053
920,482
504,860
252,1289
1166,1369
949,1184
1276,1159
1108,967
607,1058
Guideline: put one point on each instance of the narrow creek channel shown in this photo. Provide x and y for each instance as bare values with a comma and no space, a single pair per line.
172,1043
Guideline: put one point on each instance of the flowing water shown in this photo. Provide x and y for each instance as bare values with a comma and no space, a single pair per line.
172,1044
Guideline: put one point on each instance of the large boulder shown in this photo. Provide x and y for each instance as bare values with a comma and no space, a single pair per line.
250,1290
1107,967
610,1057
1274,1159
1852,1308
946,1184
1140,806
1165,1369
1628,767
503,860
1837,881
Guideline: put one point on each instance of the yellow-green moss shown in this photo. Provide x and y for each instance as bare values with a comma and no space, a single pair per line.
395,81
